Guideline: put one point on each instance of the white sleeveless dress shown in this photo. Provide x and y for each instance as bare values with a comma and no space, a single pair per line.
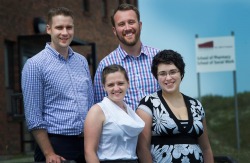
120,132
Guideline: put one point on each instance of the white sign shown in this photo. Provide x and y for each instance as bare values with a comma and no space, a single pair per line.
215,54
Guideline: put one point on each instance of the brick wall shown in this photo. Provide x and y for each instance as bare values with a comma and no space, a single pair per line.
16,18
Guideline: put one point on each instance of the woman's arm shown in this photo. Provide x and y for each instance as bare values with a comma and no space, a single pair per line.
144,140
92,133
205,145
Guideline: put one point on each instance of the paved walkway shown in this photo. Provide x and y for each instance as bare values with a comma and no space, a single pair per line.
17,159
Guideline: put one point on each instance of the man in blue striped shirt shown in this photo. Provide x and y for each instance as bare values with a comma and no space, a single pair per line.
58,93
131,54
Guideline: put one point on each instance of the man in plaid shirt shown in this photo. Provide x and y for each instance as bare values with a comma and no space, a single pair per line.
135,57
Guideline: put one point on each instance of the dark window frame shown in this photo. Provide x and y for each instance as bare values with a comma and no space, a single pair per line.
135,2
9,47
86,7
104,11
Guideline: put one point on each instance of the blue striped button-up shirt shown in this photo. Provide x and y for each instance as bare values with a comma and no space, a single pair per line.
142,81
57,92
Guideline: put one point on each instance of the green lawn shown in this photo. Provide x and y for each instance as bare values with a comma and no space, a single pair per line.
221,120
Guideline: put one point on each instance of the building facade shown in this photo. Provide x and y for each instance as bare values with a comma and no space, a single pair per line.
22,36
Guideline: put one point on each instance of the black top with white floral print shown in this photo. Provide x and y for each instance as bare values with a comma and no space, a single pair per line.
174,140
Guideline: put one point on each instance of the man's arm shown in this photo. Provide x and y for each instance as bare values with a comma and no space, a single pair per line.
99,92
90,86
32,88
42,139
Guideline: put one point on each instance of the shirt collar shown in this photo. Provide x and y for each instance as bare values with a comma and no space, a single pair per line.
54,52
123,54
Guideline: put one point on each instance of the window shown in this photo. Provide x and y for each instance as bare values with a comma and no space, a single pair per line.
120,2
86,6
104,10
124,1
9,64
134,2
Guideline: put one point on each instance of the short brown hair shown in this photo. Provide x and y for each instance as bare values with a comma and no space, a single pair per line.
59,11
125,7
112,69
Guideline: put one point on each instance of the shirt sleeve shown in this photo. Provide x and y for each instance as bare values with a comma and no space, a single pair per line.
145,105
99,92
32,89
202,111
90,85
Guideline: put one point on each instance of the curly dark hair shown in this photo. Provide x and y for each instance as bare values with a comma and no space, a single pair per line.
168,57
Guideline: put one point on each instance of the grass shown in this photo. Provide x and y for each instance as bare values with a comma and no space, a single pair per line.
221,120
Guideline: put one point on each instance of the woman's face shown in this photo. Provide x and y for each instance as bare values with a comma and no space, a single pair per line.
169,78
116,86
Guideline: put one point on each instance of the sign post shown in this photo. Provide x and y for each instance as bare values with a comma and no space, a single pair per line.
215,54
218,54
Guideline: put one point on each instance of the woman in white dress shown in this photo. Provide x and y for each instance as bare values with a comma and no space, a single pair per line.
111,127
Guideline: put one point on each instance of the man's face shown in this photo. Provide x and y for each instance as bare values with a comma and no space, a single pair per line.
127,28
61,31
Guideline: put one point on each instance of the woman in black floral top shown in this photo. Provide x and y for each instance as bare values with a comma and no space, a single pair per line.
175,126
